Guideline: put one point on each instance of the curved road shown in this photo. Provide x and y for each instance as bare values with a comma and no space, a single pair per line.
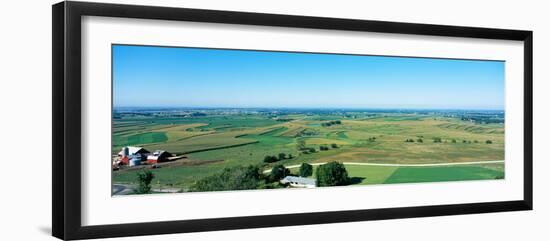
119,189
401,165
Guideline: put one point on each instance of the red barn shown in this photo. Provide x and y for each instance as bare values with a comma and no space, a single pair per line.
128,152
158,156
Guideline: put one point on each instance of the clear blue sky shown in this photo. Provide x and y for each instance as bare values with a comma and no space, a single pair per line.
193,77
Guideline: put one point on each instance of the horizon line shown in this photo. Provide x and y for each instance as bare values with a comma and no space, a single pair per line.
326,108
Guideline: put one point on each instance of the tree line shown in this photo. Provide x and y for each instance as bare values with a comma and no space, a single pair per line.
251,177
281,156
330,123
301,146
439,140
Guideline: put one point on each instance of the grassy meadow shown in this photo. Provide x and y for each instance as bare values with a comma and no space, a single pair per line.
214,139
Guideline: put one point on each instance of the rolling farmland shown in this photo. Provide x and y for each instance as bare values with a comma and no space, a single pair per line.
213,139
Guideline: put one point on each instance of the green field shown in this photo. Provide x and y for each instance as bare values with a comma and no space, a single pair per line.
245,138
387,175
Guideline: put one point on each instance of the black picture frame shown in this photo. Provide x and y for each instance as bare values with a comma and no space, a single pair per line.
66,141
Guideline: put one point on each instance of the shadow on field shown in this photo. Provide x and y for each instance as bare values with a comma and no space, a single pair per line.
356,180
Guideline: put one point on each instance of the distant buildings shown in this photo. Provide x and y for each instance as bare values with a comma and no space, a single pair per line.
299,182
132,150
134,156
158,156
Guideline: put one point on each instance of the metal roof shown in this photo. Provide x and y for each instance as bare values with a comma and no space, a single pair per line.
156,154
300,180
132,150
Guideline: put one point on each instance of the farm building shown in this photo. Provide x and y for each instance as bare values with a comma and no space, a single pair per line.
299,181
134,153
132,150
158,156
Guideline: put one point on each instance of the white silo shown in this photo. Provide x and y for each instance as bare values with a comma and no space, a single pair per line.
125,151
135,160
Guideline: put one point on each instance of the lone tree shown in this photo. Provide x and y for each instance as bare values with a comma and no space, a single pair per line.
278,172
282,156
306,170
334,145
332,174
489,142
144,180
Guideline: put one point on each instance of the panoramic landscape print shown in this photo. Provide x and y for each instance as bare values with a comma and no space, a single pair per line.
198,120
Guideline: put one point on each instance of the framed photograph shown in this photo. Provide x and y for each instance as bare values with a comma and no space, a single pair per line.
169,120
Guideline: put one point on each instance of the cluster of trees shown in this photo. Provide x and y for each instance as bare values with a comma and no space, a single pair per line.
327,124
144,179
233,178
306,170
301,146
281,156
326,148
251,177
308,150
278,172
329,174
372,139
332,174
242,178
475,141
469,141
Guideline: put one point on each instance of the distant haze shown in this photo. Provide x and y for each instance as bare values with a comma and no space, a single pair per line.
195,77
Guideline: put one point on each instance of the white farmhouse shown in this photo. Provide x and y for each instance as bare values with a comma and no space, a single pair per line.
299,182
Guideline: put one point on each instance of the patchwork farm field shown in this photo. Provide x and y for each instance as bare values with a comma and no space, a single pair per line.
406,174
395,146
